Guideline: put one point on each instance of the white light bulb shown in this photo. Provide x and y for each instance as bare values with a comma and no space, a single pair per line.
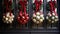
37,22
53,17
37,17
12,19
33,1
34,20
47,17
49,14
38,13
3,16
41,20
56,19
41,15
53,13
6,18
52,21
34,15
7,15
56,16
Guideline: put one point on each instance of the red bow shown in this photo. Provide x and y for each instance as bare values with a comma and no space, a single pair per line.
52,8
7,4
38,5
23,16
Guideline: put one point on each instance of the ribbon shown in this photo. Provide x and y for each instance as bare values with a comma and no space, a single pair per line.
52,8
23,17
23,5
7,6
38,5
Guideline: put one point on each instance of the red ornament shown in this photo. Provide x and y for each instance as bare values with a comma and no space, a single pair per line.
23,17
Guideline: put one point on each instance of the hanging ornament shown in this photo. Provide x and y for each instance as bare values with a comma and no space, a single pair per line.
48,6
38,16
52,16
23,16
8,17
